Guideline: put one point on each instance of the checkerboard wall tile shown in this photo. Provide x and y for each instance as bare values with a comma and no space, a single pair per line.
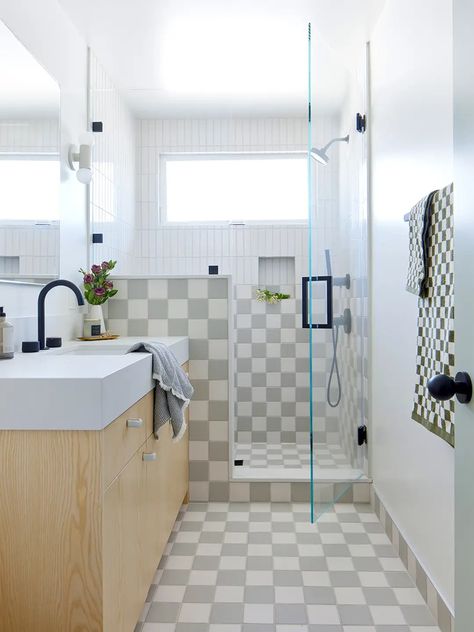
272,372
353,355
195,307
272,377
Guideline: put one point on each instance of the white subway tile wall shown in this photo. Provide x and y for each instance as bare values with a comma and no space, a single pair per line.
172,249
112,191
29,135
36,247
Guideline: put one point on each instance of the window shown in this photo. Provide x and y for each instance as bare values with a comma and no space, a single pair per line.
234,187
29,187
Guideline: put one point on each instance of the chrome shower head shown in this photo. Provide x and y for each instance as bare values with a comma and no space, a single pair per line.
321,154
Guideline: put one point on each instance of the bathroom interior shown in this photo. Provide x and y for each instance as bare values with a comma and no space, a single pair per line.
235,191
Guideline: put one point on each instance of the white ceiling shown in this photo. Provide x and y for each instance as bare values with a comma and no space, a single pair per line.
27,90
217,58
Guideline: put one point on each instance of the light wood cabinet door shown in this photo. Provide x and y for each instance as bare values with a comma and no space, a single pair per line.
153,519
122,574
170,487
50,531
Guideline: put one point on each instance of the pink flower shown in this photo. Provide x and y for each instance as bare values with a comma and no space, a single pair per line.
105,265
96,269
99,291
88,278
109,285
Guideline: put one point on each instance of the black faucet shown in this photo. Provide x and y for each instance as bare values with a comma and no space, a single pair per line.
41,298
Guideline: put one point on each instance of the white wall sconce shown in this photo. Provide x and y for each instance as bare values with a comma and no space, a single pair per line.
83,157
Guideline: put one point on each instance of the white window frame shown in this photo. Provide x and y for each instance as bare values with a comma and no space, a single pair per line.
178,156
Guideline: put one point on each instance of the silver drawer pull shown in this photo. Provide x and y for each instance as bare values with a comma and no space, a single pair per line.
134,423
149,456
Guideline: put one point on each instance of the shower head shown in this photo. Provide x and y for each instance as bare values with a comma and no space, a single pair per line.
321,154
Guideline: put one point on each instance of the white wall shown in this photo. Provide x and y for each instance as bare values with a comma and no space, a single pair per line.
112,189
412,151
50,36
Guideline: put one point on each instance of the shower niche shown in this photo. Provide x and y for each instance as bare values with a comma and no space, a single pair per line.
274,272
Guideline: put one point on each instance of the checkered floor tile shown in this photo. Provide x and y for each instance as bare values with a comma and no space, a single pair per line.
262,567
290,455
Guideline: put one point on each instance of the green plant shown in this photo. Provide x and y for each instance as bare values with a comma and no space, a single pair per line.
271,297
97,287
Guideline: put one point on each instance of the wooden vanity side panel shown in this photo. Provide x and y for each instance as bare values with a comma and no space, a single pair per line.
50,531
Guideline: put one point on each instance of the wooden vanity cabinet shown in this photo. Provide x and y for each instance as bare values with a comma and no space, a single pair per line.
84,519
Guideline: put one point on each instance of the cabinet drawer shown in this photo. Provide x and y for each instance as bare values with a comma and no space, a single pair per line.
123,437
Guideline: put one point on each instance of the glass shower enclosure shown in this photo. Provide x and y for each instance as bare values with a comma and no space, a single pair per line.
311,428
334,292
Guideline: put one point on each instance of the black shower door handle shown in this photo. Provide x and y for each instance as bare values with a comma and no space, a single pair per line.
305,297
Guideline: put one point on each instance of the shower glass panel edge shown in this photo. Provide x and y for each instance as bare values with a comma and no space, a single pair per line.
310,268
335,215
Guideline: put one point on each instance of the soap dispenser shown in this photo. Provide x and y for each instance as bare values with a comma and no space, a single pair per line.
6,337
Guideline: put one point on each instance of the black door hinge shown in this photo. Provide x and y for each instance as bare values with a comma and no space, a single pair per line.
361,435
361,123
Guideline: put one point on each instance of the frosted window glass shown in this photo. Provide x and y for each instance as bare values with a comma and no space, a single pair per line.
29,189
232,189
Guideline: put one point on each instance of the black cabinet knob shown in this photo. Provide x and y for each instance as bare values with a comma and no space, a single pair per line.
443,387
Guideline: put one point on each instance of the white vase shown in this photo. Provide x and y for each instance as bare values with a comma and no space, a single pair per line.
96,313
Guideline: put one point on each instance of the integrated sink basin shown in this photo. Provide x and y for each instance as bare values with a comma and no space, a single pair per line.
95,350
81,386
178,344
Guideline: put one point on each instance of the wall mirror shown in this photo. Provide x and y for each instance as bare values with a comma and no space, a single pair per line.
29,165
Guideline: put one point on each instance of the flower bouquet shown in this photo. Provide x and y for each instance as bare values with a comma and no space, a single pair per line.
97,290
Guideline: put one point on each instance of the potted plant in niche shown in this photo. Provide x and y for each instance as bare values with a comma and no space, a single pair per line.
97,290
267,296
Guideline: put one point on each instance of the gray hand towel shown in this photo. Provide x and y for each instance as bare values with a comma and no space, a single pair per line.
173,389
419,223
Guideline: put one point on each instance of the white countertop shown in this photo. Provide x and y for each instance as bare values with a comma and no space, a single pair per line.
81,386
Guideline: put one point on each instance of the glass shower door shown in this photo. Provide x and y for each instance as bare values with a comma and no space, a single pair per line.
333,293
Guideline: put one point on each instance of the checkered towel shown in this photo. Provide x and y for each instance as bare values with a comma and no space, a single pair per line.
419,222
435,345
173,390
